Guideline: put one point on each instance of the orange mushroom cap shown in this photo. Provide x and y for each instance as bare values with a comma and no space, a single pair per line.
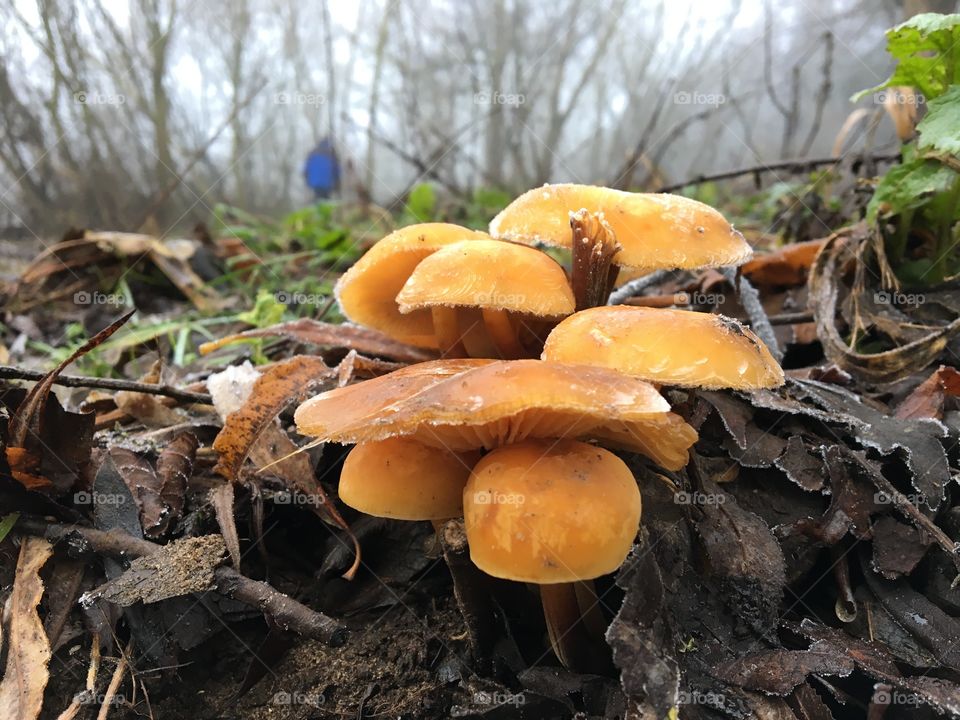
362,402
550,511
367,291
655,230
502,402
674,347
489,274
405,480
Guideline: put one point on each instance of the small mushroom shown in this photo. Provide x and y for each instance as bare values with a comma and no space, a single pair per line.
480,292
553,513
655,230
503,402
403,479
367,291
673,347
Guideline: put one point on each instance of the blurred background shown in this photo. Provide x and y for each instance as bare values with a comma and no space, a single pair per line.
148,113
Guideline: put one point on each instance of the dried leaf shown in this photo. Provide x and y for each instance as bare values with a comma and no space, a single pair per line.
897,547
24,443
926,401
148,409
786,267
744,554
221,497
801,464
28,653
778,672
174,467
313,332
272,392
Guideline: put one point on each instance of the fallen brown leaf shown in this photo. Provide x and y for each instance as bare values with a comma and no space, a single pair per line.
25,431
28,655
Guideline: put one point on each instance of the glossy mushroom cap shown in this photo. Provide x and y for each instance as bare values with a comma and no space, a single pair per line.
405,480
673,347
655,230
504,402
367,291
489,274
550,511
356,405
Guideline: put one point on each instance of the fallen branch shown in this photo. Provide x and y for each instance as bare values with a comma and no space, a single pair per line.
793,166
284,610
8,372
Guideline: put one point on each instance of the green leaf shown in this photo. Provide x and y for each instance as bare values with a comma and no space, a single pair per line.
267,310
422,202
908,186
6,524
927,50
940,128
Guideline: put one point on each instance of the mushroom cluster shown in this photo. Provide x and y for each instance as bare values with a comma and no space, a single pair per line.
518,446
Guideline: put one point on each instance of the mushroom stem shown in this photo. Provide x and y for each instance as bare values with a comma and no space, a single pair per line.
502,333
568,635
446,327
473,334
471,588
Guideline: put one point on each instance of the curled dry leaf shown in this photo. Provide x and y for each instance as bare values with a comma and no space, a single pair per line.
252,431
880,367
159,494
28,652
26,427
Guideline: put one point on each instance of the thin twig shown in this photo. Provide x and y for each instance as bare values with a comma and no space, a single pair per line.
8,372
789,165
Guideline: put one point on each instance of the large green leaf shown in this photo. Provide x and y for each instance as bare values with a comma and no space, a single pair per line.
908,186
940,128
927,50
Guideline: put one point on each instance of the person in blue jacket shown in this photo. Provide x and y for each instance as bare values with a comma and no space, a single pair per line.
322,170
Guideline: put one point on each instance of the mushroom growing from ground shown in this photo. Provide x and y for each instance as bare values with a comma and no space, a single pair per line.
654,230
367,291
673,347
554,513
481,293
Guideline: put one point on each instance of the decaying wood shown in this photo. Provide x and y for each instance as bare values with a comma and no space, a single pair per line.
284,610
